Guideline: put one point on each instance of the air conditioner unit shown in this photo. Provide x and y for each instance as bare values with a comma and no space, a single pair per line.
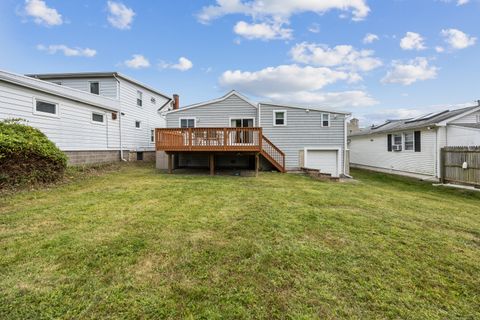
397,147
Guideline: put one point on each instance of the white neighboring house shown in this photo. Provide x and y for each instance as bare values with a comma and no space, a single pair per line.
412,146
92,117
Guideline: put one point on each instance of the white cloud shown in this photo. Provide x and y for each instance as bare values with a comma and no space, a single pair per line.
281,10
439,49
342,56
314,28
341,99
412,41
67,51
183,64
42,14
458,39
369,38
458,2
264,31
138,61
282,79
120,16
415,70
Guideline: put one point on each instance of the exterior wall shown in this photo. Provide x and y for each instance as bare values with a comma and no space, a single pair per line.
303,130
470,118
71,130
371,151
92,157
462,136
215,114
133,138
108,86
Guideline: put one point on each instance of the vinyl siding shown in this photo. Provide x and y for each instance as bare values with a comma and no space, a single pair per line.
108,86
303,129
461,136
470,118
72,130
216,114
148,115
371,150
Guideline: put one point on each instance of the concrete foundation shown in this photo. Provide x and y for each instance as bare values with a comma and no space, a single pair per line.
76,158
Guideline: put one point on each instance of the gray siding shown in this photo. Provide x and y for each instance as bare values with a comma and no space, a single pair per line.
108,86
216,114
303,129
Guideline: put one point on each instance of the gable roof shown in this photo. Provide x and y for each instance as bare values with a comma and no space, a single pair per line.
225,97
428,120
60,91
313,108
81,75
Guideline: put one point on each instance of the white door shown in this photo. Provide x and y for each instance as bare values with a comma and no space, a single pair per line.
324,160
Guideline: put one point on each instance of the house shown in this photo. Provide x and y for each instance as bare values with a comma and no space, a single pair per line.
92,117
233,131
413,146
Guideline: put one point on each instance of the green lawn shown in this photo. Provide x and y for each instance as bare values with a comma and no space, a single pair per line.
140,244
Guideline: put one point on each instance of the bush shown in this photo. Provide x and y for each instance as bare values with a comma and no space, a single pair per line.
28,156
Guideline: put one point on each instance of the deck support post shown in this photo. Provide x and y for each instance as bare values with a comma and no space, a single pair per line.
257,163
170,163
212,164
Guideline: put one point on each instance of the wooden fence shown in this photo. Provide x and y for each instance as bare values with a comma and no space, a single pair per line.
461,165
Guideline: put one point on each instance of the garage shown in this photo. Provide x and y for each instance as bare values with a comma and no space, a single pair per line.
325,160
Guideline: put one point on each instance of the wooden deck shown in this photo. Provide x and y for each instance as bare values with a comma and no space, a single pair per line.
212,140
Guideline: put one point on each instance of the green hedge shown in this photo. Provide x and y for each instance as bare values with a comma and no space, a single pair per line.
27,155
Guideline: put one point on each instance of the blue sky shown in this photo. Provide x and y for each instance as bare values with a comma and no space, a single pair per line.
420,55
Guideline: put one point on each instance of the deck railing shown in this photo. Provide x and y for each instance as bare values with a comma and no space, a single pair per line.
273,154
209,139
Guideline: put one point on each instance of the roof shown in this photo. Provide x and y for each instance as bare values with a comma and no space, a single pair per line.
228,95
428,120
76,75
306,108
60,91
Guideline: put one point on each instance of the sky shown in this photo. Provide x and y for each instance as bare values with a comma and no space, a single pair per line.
377,59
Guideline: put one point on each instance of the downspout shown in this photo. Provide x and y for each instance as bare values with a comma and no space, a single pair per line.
119,117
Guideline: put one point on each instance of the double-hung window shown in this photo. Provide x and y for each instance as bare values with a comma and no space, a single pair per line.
187,123
409,141
397,139
139,98
95,87
280,118
325,120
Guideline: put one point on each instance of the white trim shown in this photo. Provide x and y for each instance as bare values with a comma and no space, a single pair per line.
239,118
338,149
104,115
325,110
187,118
46,114
284,118
321,120
228,95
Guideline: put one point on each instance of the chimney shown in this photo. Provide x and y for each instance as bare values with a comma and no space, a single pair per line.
176,101
354,125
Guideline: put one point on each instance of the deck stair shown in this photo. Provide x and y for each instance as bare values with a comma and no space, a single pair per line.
273,154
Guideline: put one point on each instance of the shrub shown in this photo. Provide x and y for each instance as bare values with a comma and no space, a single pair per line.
27,155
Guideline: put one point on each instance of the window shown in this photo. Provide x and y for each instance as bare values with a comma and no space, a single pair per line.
409,141
46,107
153,101
138,124
397,139
325,120
280,118
139,98
152,136
98,117
95,87
478,118
187,123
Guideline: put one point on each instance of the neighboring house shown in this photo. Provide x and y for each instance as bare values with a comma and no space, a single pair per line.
234,132
412,146
92,117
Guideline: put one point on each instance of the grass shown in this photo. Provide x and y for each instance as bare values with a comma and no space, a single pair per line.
139,244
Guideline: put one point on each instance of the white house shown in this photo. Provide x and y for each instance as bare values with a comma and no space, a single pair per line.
92,117
412,146
233,131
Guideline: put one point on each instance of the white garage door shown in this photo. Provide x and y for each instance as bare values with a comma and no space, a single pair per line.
324,160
